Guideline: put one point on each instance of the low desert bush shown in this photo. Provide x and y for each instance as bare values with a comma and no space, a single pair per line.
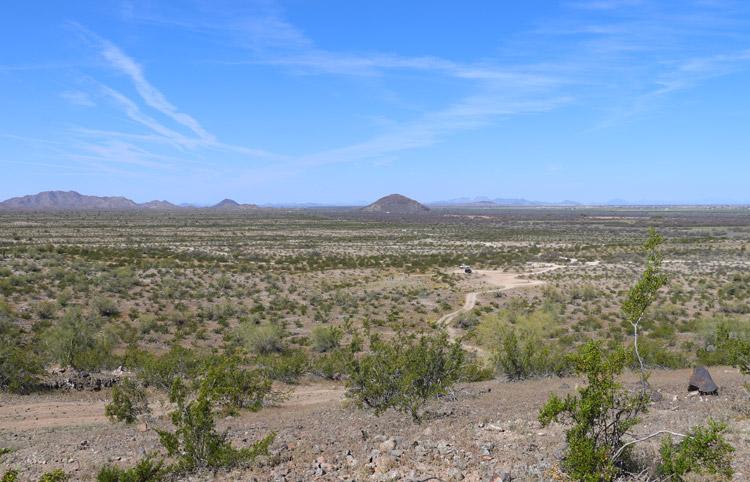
332,365
326,338
105,307
56,475
600,414
128,402
521,355
286,367
702,452
405,372
233,386
160,370
10,476
262,339
147,470
77,341
19,365
195,443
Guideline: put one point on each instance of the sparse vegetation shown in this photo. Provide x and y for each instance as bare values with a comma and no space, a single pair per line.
231,305
405,372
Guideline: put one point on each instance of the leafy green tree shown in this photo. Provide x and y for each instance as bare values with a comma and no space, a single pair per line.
405,372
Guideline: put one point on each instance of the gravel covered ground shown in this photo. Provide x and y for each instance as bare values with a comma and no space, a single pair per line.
484,431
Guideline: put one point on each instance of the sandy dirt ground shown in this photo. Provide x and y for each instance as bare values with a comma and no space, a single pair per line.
482,429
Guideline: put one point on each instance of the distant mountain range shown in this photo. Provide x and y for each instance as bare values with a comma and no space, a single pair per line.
394,203
73,201
488,202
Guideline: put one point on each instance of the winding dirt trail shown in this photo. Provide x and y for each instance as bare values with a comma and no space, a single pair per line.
503,281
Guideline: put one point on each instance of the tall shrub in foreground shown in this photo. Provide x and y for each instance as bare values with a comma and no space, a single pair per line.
405,372
195,442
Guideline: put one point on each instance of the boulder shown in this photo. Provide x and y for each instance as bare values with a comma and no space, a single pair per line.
702,382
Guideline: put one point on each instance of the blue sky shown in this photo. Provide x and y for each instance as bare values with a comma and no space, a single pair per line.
345,101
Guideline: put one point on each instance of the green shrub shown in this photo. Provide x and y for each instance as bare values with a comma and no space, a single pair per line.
326,338
728,344
262,339
19,365
105,307
286,367
233,387
332,365
657,355
476,371
600,414
147,470
704,451
45,310
57,475
195,443
76,342
523,355
160,371
404,372
10,476
128,402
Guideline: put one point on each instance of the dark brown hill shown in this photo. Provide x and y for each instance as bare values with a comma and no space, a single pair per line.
396,204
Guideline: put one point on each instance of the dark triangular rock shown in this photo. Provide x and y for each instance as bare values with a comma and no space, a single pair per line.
701,381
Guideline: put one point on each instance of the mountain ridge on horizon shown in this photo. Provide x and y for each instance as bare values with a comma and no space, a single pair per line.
72,200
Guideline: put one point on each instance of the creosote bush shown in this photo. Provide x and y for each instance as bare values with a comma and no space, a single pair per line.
522,355
262,339
147,470
405,372
601,413
234,387
703,451
77,341
19,365
195,443
326,338
128,402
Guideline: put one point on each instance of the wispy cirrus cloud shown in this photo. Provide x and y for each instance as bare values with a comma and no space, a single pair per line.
167,127
150,94
637,51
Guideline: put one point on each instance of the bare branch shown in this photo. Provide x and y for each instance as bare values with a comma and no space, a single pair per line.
627,444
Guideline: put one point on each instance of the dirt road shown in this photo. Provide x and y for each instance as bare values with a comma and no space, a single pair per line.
502,281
